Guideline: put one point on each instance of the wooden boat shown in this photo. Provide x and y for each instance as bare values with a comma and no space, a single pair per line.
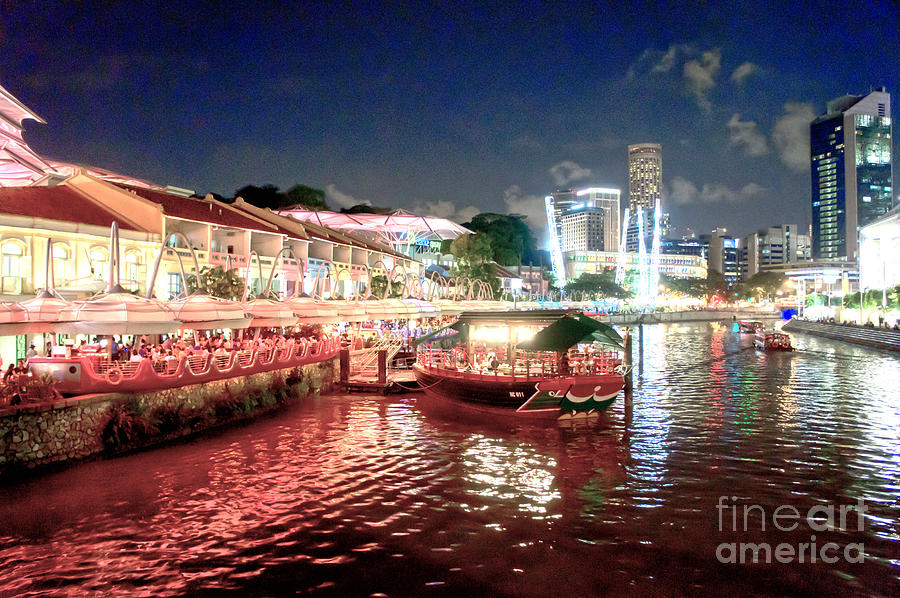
524,363
772,341
750,326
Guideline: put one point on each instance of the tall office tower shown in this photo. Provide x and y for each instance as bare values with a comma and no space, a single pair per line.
644,176
850,147
607,200
582,230
773,246
585,220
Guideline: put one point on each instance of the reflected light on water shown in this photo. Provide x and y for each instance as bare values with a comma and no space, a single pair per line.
381,496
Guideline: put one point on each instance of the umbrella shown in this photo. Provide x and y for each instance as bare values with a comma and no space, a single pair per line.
267,313
200,311
567,332
12,319
118,312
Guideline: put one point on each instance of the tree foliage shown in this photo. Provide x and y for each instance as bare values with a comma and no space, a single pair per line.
379,283
762,285
218,282
473,255
598,285
511,239
269,196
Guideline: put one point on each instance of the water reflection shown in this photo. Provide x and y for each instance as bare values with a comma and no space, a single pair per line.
363,495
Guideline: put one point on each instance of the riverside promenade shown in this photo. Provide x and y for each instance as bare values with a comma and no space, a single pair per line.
878,338
698,315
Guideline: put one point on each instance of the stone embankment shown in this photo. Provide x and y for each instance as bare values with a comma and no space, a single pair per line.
878,338
68,430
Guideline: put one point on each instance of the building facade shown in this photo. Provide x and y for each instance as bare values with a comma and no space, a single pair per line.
771,247
582,220
644,176
850,147
879,252
596,262
582,230
723,254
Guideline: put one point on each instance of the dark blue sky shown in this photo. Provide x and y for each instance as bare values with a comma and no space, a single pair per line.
455,108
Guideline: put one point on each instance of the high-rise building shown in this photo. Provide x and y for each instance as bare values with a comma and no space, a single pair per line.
585,220
632,241
582,230
723,254
774,246
850,147
607,200
644,176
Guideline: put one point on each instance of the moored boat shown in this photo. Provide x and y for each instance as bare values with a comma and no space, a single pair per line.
524,363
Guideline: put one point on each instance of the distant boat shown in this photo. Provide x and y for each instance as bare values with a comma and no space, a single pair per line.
772,341
750,326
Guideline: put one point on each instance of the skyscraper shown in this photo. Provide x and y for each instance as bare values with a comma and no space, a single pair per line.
585,220
644,176
850,147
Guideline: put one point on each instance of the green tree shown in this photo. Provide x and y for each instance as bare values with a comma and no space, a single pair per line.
306,197
716,285
473,255
218,282
270,197
364,208
379,283
762,285
511,239
600,285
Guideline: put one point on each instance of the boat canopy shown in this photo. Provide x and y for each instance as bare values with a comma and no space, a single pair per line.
568,331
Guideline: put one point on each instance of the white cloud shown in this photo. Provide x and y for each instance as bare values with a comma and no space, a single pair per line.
700,75
530,206
791,135
336,197
744,134
445,209
652,60
567,172
744,71
665,64
685,192
682,191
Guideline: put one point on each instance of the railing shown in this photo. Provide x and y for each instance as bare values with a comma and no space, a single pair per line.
96,373
365,361
527,364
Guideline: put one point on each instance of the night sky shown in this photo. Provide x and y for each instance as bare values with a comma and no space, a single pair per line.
454,109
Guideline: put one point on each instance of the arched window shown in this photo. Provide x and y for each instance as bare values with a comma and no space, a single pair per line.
63,264
12,266
134,270
99,258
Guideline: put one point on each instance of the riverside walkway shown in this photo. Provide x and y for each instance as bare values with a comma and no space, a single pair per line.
879,338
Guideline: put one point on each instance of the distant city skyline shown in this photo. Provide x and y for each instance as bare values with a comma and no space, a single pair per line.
451,110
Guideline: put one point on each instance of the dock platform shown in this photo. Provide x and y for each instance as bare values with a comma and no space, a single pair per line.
398,381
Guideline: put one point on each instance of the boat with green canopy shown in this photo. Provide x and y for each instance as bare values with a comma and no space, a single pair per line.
528,363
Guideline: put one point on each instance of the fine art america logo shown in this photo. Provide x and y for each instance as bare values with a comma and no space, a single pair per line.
742,518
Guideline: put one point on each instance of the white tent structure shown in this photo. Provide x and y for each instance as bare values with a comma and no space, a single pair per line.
117,311
398,229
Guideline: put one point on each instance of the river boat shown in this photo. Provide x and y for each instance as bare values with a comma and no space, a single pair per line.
750,326
560,364
772,341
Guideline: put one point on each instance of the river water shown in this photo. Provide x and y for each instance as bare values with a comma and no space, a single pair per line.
363,496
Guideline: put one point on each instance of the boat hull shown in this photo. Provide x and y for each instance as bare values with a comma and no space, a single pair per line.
521,397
